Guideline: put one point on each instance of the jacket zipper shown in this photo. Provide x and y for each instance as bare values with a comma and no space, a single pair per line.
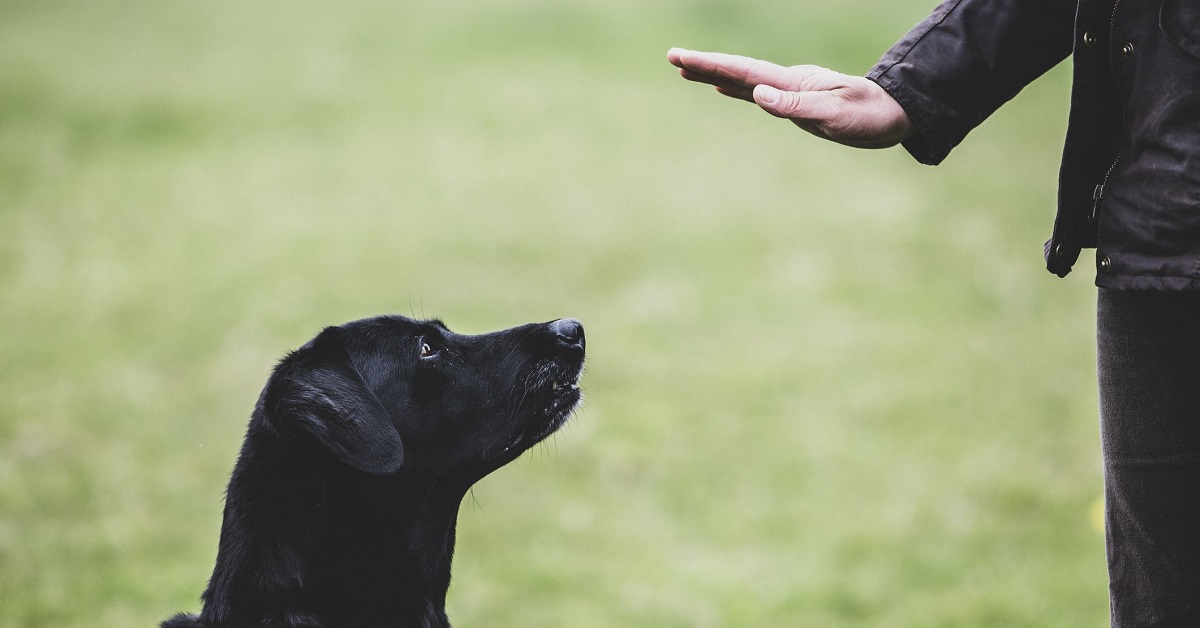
1098,193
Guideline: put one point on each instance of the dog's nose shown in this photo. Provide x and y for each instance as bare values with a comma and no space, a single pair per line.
568,331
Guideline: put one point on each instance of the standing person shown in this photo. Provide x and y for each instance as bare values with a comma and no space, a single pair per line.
1129,186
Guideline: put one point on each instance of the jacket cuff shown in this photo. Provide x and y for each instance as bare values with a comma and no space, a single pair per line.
924,144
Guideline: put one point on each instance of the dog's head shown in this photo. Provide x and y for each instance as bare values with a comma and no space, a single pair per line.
391,395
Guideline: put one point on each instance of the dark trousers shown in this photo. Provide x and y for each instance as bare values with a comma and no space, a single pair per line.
1148,349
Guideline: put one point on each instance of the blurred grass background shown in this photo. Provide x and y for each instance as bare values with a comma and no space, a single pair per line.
826,387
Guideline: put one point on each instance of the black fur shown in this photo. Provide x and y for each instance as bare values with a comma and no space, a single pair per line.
342,506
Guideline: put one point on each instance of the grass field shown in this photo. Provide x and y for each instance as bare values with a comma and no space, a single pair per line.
826,387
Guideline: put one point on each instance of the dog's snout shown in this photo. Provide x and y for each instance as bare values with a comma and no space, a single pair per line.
569,332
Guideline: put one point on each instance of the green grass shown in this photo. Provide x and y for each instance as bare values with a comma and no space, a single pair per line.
825,387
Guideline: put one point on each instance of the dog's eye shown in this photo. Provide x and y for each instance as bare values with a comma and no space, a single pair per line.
427,351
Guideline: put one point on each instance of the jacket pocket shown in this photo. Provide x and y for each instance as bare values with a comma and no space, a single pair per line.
1180,22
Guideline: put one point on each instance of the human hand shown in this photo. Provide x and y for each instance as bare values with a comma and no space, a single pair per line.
849,110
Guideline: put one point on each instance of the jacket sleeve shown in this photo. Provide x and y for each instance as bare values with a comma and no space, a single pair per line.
955,68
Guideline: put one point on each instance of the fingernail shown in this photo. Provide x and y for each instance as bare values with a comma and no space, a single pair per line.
766,94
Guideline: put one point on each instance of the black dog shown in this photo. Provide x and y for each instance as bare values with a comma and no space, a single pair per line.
342,506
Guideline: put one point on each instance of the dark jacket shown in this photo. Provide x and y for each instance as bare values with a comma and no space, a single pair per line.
1129,184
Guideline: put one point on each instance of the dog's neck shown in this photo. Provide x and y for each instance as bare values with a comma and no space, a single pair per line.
421,516
428,533
400,529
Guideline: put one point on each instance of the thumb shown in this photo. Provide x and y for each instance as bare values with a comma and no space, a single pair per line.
785,104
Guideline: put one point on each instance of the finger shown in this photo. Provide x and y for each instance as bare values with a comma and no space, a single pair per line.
710,80
815,107
732,90
739,93
731,68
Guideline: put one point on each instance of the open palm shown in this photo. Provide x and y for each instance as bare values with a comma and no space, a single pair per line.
849,110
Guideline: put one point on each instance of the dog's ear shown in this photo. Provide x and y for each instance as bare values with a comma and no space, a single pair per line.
318,391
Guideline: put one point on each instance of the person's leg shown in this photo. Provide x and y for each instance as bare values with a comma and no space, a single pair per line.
1148,350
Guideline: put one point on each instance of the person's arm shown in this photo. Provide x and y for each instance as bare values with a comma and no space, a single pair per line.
967,58
928,91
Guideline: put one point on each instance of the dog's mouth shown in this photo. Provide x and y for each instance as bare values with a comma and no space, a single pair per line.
553,396
564,398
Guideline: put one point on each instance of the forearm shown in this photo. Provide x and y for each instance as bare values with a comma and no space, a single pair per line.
956,67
